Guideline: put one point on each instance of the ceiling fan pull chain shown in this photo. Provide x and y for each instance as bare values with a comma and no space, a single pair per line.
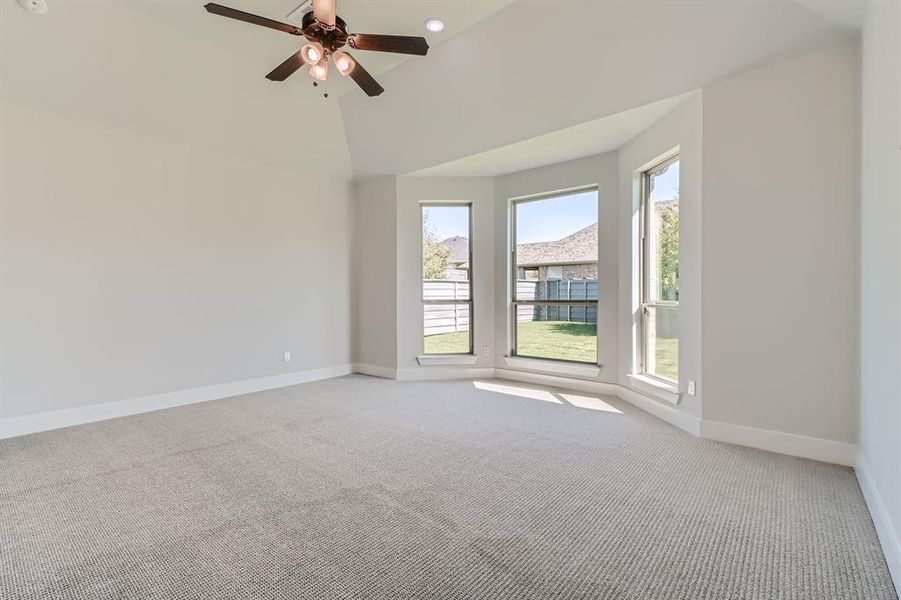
325,93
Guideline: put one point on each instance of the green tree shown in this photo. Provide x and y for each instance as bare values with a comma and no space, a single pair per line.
668,238
434,253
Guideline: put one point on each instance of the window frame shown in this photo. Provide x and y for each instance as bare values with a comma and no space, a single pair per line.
422,300
515,303
645,303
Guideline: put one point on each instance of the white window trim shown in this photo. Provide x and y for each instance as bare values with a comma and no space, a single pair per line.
654,387
513,273
460,357
644,378
557,367
427,360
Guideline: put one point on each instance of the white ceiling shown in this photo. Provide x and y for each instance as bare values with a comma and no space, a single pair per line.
536,67
594,137
500,78
171,69
269,48
848,13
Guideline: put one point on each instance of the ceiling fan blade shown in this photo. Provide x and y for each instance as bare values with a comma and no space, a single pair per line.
240,15
363,79
324,11
287,68
402,44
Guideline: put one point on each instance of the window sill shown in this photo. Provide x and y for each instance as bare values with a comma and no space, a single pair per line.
658,389
446,359
552,366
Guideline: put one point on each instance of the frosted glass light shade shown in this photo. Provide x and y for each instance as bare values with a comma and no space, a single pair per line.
343,62
312,53
320,70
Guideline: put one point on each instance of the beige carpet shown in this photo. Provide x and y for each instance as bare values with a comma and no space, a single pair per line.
365,488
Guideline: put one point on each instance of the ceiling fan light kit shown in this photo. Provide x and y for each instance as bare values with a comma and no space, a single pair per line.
312,53
320,70
343,62
326,33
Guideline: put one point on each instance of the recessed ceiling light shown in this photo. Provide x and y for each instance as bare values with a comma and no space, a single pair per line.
433,24
39,7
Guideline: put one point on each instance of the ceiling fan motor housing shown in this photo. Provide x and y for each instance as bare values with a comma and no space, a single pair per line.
331,37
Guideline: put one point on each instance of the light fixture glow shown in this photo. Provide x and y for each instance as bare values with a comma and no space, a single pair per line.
434,24
343,62
312,53
320,70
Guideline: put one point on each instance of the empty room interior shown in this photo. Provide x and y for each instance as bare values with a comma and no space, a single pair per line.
450,299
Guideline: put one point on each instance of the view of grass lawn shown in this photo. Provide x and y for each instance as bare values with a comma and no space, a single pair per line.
560,340
667,356
447,343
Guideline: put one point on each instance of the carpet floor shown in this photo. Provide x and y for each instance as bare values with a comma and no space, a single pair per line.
365,488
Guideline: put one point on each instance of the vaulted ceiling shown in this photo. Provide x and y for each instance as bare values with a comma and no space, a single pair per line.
171,69
501,77
537,67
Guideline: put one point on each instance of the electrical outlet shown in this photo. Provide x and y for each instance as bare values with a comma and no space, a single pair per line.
286,357
691,388
486,351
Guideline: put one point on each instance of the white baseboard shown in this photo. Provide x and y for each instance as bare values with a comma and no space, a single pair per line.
436,360
889,537
664,412
375,370
446,372
780,442
774,441
17,426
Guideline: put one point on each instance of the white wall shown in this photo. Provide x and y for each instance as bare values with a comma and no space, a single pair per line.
680,128
769,333
780,239
599,170
879,462
411,191
375,272
132,266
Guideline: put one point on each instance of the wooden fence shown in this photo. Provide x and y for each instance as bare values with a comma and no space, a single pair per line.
445,318
555,289
454,315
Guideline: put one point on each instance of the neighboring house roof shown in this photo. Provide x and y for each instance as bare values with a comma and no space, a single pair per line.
459,249
577,248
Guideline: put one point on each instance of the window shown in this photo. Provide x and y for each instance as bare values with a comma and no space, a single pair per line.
555,277
528,272
447,279
659,319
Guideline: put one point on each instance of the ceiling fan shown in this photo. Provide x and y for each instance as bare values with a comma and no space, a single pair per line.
326,32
